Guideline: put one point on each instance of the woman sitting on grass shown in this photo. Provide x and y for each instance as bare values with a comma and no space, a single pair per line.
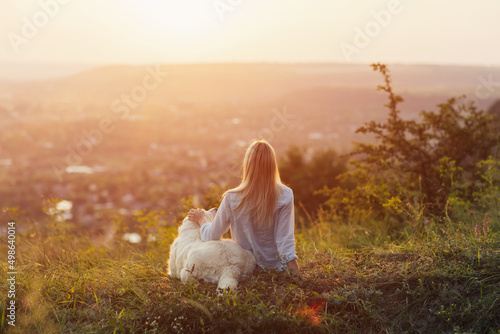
259,212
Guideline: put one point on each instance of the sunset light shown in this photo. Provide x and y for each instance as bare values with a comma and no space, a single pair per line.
250,166
183,18
134,31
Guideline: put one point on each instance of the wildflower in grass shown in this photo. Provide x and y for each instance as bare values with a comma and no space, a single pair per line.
482,229
486,225
478,230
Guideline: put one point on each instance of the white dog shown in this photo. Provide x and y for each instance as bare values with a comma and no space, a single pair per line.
222,261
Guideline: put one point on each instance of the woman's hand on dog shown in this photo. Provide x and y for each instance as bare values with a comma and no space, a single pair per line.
196,215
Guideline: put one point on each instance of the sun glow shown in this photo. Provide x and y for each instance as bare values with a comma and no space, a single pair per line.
185,17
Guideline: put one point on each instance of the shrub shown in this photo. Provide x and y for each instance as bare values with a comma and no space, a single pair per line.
415,166
306,176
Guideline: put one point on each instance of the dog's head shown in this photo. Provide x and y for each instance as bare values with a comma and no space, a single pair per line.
209,216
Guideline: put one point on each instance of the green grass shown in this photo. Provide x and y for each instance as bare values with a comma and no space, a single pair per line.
354,280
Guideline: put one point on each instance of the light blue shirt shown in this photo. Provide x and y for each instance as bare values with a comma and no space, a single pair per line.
272,246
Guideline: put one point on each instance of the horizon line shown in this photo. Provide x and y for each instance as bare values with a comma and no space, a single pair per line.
265,62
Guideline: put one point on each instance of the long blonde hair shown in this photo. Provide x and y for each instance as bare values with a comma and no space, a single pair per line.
261,185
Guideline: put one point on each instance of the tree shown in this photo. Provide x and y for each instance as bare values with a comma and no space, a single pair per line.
306,176
494,109
417,162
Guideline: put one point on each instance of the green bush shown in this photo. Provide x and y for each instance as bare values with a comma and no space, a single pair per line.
416,167
306,176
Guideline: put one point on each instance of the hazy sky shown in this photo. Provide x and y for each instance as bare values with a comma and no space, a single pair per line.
145,31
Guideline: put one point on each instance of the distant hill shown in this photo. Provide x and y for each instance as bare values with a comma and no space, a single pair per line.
325,85
249,79
21,72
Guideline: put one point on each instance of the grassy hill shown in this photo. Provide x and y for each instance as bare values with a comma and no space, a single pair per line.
354,280
401,269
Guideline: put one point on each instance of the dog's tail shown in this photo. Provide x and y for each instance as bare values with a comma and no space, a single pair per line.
229,278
